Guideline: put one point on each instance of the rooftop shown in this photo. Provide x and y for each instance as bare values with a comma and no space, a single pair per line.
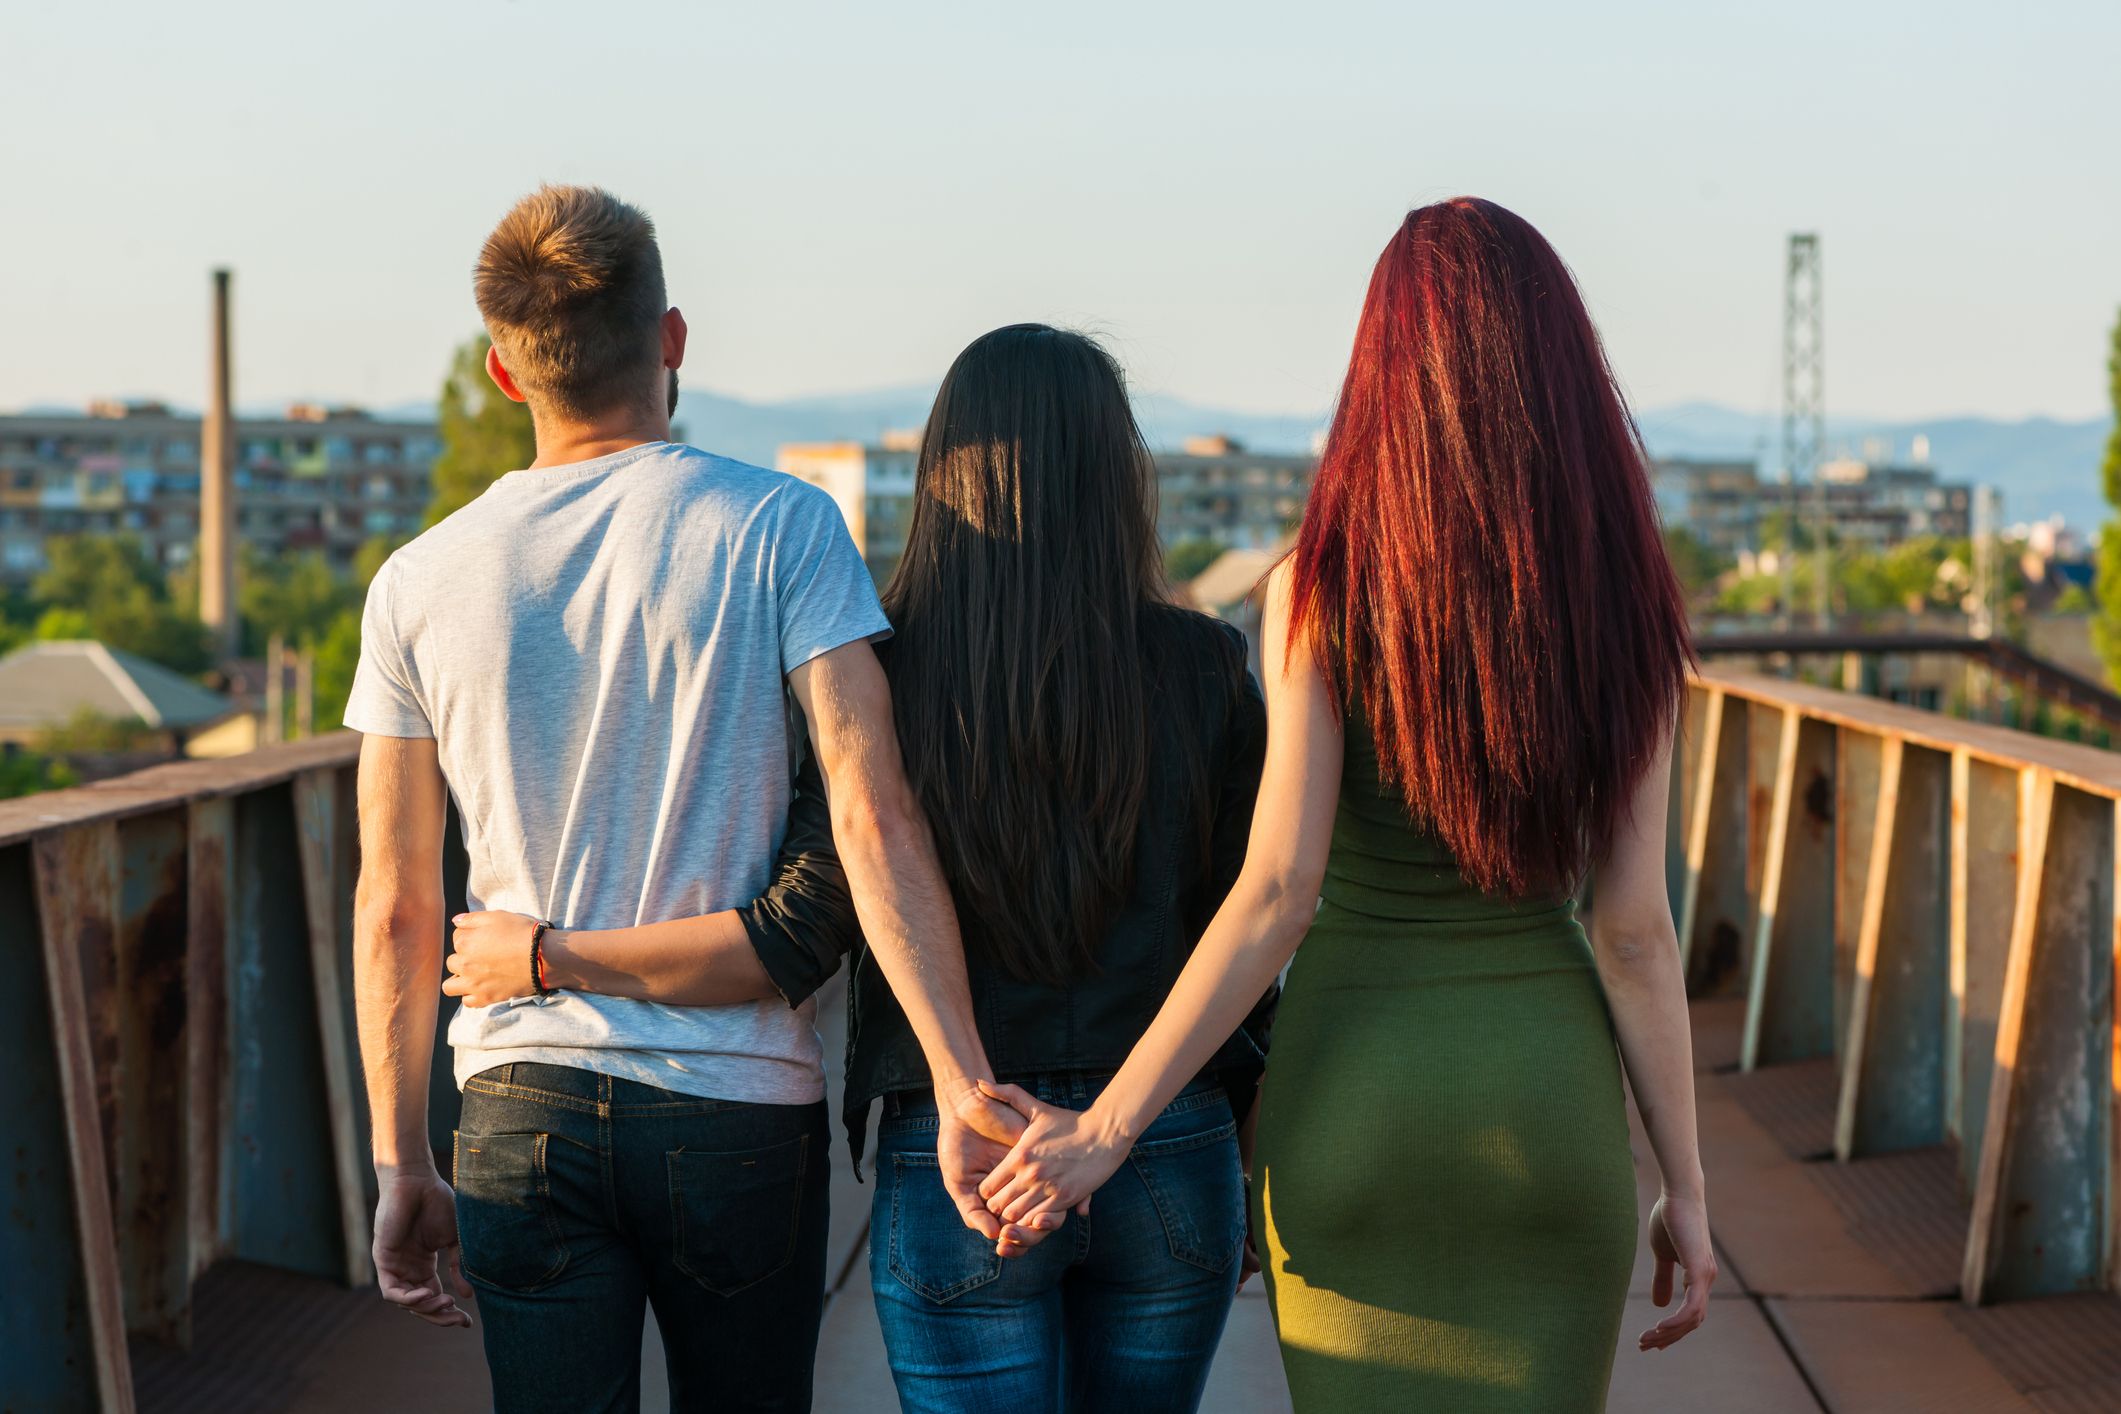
45,684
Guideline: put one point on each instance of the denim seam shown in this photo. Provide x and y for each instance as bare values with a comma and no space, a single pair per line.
525,1092
1184,1142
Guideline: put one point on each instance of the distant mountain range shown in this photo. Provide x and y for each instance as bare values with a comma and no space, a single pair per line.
2043,466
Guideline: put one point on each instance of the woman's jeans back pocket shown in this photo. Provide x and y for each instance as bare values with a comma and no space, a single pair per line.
932,1251
505,1219
737,1216
1198,1188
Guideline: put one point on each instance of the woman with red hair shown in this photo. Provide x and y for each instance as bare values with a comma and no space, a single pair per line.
1475,659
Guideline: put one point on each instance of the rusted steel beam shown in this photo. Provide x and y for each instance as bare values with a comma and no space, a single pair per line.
325,899
1716,912
160,787
1790,998
209,1096
1984,886
2051,1212
2035,816
1892,1087
151,1003
77,886
2085,768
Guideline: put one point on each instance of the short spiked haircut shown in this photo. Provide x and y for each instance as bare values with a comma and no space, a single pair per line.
570,285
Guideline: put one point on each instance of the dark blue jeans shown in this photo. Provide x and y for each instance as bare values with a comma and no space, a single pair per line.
1115,1313
581,1197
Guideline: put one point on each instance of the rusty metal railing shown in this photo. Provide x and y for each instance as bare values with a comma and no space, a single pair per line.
180,1068
1931,903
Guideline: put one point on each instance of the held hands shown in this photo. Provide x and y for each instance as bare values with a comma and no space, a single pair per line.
489,960
974,1135
1059,1160
1679,1235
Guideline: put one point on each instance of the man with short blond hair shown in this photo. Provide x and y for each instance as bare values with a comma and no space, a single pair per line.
591,659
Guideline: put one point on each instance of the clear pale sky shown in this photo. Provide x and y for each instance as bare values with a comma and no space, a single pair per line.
848,193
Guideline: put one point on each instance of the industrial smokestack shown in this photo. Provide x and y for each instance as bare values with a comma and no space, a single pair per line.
217,492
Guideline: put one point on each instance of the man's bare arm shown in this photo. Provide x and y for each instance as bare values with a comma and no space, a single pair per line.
907,918
398,917
889,855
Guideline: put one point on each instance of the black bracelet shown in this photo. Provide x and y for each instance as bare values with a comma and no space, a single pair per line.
537,959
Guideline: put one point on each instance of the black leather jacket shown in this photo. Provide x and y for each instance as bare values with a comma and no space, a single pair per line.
1188,855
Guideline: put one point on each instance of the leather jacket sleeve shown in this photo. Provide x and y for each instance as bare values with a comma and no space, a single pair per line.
805,921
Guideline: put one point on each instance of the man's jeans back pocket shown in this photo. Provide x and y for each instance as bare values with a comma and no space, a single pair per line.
1198,1187
737,1216
932,1251
505,1219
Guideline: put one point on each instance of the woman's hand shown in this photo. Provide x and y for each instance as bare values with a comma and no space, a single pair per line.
1062,1157
1679,1235
490,958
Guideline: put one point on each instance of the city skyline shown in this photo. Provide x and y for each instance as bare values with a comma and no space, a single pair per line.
846,198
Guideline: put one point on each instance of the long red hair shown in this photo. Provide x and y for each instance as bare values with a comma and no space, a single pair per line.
1480,568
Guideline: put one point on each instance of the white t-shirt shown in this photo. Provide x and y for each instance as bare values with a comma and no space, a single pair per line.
599,652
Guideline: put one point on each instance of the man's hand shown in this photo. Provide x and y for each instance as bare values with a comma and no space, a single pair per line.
973,1137
418,1265
490,958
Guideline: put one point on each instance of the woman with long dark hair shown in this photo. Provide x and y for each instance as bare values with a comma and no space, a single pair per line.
1474,661
1087,755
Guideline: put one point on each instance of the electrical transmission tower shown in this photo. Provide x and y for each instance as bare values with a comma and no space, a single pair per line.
1804,420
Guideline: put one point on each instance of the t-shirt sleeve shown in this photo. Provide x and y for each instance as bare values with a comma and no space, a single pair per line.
385,700
826,597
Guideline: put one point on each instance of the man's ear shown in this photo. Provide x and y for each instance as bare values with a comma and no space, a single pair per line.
673,338
501,377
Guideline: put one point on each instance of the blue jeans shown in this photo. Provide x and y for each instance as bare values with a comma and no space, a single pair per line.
581,1197
1115,1313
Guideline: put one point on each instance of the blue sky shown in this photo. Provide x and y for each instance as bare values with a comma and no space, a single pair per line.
848,193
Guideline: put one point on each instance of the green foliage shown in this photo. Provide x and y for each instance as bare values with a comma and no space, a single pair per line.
27,773
294,596
1928,574
90,733
368,560
1185,560
338,651
2106,626
484,434
106,588
1697,563
58,625
2073,600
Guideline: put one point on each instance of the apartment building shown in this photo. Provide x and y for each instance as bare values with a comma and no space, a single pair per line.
316,478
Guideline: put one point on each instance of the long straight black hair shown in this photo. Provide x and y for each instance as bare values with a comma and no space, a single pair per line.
1020,672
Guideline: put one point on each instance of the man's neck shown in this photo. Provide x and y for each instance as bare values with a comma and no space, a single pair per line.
564,443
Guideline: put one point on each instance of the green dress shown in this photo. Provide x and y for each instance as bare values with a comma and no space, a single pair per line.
1443,1180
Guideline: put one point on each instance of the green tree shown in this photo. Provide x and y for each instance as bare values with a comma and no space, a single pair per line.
27,773
484,434
368,560
1185,560
337,654
2106,624
106,588
1697,563
294,596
